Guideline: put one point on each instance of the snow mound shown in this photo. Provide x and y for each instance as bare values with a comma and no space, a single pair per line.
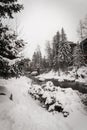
56,99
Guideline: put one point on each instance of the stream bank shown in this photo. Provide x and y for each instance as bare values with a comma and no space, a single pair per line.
81,87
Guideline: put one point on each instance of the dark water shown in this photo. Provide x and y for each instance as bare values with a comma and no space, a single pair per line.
81,87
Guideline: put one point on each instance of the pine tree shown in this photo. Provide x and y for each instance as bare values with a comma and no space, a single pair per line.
78,58
10,46
56,42
64,52
34,60
63,35
37,59
9,7
49,52
44,62
82,28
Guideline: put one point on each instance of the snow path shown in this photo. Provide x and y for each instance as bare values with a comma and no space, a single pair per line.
23,113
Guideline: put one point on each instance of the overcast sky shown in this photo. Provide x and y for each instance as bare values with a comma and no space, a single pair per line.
41,19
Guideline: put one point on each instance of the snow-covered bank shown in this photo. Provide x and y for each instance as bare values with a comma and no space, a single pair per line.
70,76
58,99
24,113
67,99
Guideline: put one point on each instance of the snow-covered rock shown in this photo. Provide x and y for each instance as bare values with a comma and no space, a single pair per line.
34,73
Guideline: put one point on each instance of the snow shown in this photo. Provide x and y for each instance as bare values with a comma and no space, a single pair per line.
68,99
70,76
34,73
53,96
82,72
54,75
10,62
24,113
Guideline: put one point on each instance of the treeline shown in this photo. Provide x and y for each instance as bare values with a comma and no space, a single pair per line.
60,55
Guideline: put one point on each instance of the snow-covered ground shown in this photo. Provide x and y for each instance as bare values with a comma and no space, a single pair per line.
24,113
58,99
82,75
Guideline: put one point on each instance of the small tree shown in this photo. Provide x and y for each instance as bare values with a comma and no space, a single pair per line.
63,35
37,59
49,52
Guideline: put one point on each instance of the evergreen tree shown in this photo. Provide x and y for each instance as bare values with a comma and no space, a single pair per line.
49,52
37,59
82,28
56,42
8,7
64,52
78,58
63,35
10,46
34,60
45,63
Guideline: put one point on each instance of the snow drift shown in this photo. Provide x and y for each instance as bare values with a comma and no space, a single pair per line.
55,98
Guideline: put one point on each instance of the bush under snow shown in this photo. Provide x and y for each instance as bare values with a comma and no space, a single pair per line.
54,98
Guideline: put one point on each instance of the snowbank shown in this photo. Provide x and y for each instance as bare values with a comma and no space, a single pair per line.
23,113
56,99
70,76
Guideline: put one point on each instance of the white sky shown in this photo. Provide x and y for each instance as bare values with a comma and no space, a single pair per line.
41,19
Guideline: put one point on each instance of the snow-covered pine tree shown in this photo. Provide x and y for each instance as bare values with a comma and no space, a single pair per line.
55,43
10,48
9,44
78,58
9,7
34,60
64,52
